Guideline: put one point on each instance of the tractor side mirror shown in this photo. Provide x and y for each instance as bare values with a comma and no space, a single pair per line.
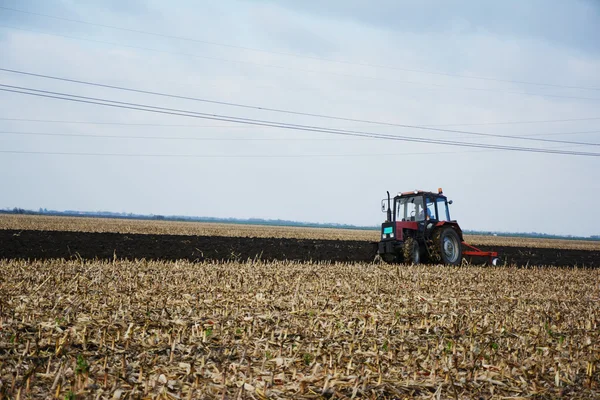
450,202
384,205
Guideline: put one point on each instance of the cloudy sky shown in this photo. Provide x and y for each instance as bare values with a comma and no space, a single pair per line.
520,69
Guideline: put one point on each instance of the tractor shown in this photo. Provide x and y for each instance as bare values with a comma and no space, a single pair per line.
418,229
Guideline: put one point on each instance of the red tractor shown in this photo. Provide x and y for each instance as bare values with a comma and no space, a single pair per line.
418,229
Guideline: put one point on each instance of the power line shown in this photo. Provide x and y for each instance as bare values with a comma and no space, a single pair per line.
377,78
559,133
521,122
212,43
85,135
134,106
221,155
277,110
125,123
192,114
61,153
232,126
167,137
233,155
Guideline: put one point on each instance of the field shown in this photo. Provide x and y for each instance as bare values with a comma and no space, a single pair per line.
289,330
78,320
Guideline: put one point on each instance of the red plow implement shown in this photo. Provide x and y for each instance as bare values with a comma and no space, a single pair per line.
478,256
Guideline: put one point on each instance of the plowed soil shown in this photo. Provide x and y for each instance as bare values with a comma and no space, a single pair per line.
41,245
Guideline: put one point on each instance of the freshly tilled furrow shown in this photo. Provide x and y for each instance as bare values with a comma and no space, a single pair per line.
43,245
60,244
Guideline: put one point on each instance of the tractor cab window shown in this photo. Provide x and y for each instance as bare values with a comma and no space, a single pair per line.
442,208
410,209
429,211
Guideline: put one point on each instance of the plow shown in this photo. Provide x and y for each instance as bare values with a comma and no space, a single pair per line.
418,229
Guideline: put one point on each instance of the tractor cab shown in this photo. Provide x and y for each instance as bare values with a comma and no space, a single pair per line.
412,213
417,206
420,206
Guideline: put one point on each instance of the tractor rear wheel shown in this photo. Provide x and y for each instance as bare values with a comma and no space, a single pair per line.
412,252
448,246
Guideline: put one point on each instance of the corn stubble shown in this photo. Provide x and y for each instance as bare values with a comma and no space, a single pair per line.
137,329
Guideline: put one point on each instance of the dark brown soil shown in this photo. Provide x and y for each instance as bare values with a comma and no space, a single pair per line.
60,244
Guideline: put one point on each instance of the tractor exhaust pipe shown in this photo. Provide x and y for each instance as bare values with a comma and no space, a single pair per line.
389,210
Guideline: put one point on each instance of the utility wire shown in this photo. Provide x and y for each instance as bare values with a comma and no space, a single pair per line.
135,106
277,110
62,153
169,137
212,43
262,121
84,135
125,123
520,122
232,126
228,155
167,111
302,70
234,155
244,155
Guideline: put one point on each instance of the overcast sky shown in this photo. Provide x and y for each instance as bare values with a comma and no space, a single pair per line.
459,65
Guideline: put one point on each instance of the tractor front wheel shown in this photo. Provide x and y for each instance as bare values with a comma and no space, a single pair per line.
412,252
449,246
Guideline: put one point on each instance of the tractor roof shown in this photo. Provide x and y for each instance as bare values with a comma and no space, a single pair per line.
421,193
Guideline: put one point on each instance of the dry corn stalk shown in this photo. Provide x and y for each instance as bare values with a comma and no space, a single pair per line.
296,330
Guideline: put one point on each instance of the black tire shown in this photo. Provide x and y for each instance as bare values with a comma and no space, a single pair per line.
447,246
412,252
